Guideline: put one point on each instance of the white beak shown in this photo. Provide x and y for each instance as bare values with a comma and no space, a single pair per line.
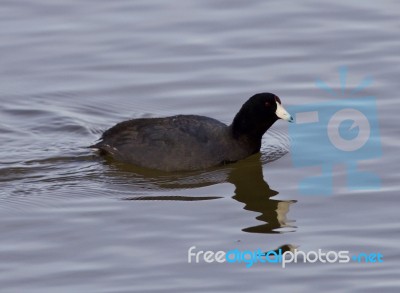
282,113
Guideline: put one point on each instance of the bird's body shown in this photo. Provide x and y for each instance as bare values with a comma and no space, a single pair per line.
196,142
188,142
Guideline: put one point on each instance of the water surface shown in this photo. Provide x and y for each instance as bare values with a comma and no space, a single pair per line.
75,222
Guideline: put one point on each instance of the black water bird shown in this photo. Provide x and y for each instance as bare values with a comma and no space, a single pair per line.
192,142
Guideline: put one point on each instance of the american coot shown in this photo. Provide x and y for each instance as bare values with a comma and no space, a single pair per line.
191,142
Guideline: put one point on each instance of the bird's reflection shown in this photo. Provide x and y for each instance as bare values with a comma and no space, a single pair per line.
250,189
255,193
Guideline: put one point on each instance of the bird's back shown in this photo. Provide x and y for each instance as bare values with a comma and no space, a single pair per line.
183,142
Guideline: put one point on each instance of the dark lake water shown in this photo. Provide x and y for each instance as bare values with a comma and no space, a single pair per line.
72,221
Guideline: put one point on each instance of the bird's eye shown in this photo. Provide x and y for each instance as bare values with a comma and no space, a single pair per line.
267,104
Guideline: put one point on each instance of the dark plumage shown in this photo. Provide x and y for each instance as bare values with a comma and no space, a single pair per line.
191,142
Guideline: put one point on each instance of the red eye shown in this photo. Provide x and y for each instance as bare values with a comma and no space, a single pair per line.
267,104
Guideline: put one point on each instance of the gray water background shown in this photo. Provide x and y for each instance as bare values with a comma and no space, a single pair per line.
71,69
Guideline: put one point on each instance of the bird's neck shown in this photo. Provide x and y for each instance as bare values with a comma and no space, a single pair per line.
249,129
